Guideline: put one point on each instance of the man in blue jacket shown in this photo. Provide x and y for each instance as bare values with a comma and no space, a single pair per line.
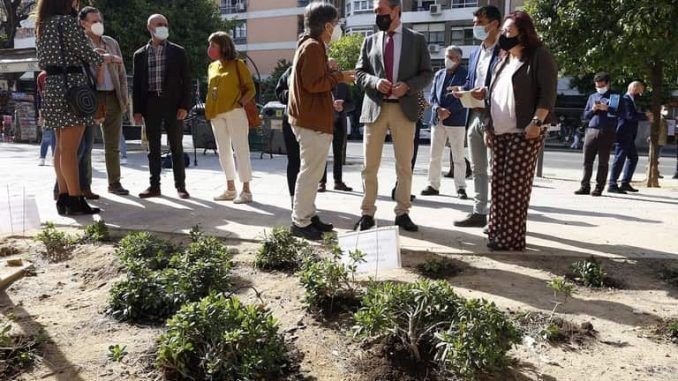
600,134
449,121
625,143
486,24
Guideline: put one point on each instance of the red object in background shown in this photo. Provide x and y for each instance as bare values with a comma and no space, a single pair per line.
41,81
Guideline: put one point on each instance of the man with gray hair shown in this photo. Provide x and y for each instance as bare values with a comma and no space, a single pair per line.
449,122
393,68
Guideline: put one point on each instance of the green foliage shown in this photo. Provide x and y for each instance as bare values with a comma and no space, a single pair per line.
116,353
57,243
218,338
346,50
478,340
588,272
95,233
281,251
269,84
561,287
438,268
195,233
204,267
328,280
145,296
16,352
145,250
672,330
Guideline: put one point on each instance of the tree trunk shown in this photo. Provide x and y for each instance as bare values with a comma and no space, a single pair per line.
653,155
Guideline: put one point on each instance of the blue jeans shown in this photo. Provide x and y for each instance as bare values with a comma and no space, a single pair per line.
85,157
48,140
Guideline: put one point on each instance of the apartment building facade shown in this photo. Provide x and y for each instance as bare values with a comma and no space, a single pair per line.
267,30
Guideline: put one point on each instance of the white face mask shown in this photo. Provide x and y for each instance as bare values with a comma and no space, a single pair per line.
161,33
449,64
97,29
337,33
479,32
601,90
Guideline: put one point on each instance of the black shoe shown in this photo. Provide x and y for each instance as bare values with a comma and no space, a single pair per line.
412,197
341,186
321,226
76,206
628,188
87,193
473,220
597,192
615,189
116,188
430,191
583,190
493,246
309,232
183,193
322,187
150,192
406,223
675,176
450,174
461,193
366,222
61,203
86,209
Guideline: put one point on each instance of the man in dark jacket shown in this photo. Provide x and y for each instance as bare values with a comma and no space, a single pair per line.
625,144
162,96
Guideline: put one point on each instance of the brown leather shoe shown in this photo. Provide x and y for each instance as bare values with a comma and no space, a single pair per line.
117,188
183,194
150,192
87,193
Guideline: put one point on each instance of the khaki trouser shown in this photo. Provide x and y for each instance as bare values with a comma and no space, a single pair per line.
313,148
111,128
439,136
402,134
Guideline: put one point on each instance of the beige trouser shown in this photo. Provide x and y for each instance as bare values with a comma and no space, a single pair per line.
456,135
230,133
402,135
314,148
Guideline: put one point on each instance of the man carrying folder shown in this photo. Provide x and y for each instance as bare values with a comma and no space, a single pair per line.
486,24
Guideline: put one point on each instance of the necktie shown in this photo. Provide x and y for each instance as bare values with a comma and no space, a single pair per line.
388,56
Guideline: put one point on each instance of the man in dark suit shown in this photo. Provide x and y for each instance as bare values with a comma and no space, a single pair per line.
162,96
393,68
486,25
343,104
625,143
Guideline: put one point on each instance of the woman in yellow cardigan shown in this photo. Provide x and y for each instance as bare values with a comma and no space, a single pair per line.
230,86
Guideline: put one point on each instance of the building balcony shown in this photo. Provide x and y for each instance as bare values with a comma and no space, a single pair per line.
233,6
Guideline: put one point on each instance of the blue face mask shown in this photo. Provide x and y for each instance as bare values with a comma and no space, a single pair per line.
479,32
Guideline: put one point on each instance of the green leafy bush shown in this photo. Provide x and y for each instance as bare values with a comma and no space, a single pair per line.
145,250
281,251
478,340
95,233
146,296
58,244
439,268
16,352
588,272
218,338
203,267
562,290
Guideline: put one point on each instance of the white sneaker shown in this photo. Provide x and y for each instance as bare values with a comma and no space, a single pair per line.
228,195
41,162
244,198
123,161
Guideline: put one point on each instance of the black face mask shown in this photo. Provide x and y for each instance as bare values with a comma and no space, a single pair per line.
74,12
507,43
384,22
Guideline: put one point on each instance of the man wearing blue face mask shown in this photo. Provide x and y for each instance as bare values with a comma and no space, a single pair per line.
486,23
162,96
599,136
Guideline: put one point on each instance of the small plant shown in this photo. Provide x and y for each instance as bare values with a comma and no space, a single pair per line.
95,233
57,243
562,288
116,353
438,268
588,272
145,296
218,338
145,250
281,251
477,342
16,352
672,330
195,233
204,267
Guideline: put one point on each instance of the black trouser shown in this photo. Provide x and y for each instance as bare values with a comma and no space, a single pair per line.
338,148
160,112
597,142
416,142
293,159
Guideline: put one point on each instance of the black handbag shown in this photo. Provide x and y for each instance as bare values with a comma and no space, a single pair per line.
82,99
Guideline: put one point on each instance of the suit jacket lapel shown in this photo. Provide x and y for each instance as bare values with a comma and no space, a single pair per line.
380,52
406,42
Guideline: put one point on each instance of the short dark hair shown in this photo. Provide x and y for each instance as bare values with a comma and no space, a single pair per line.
601,76
226,45
86,11
490,11
316,15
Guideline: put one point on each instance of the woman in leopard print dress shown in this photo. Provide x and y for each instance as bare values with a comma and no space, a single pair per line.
57,18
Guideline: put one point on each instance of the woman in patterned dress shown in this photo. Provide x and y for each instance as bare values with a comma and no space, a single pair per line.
55,17
521,97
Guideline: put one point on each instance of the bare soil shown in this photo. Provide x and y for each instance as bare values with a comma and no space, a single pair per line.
66,302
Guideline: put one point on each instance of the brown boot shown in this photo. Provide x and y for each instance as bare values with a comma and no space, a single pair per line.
150,192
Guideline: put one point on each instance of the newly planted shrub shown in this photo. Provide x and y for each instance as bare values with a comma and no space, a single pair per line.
203,267
16,352
588,272
117,353
145,250
146,296
439,268
95,233
58,244
218,338
478,340
281,251
562,290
